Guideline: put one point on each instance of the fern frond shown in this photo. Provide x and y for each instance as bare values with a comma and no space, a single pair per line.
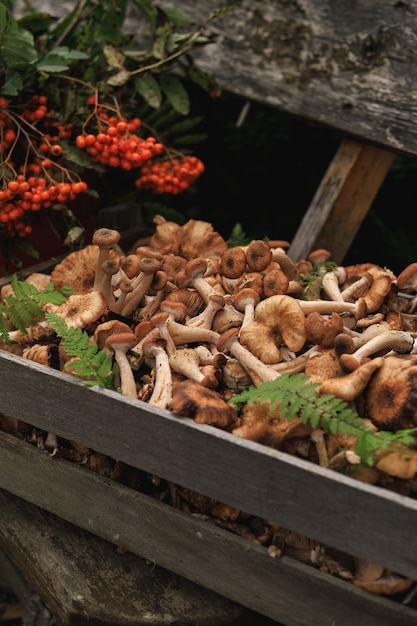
94,366
23,307
296,396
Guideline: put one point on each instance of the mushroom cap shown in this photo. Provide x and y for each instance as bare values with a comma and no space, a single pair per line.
233,262
105,237
105,329
275,282
279,320
204,405
407,279
199,239
80,309
121,341
258,255
390,398
77,270
322,330
244,297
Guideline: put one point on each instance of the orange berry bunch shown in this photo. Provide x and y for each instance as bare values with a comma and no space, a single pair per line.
116,142
29,142
20,196
171,176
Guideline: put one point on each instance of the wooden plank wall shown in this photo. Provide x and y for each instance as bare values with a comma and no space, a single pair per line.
349,65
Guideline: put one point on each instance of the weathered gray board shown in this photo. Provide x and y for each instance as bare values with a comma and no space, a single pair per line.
333,509
350,65
282,589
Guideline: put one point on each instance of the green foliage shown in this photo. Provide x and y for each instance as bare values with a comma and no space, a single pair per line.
296,397
312,282
23,307
238,237
94,366
90,48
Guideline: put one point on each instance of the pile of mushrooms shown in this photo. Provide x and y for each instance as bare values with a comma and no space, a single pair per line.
190,322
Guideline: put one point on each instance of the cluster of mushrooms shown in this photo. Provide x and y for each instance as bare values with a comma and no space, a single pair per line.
190,322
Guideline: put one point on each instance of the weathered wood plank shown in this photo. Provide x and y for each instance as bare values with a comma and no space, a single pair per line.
350,65
83,579
197,550
314,501
342,200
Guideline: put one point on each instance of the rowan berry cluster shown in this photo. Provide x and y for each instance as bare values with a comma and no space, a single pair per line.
116,142
30,177
170,176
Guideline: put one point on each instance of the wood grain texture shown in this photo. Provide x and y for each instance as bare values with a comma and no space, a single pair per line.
281,589
342,200
350,65
83,579
329,507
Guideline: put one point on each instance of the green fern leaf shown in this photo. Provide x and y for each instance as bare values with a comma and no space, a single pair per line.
23,307
93,366
296,396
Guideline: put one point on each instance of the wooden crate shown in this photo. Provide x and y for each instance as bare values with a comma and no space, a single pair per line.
359,519
266,52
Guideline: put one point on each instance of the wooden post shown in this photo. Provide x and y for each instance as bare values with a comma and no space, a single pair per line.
342,200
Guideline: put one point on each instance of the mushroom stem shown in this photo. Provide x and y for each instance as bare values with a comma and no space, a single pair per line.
182,334
350,386
120,343
162,392
258,371
141,284
330,286
186,362
205,318
398,340
357,309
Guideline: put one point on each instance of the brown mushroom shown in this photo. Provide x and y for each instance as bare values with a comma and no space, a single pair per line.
350,386
322,330
77,269
257,370
203,405
258,255
245,301
279,320
79,310
233,262
398,340
154,350
390,398
120,343
105,239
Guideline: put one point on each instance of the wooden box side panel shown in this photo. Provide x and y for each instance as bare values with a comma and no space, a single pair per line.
282,589
294,493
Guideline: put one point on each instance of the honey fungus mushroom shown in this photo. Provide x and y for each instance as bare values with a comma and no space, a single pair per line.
279,321
390,398
203,405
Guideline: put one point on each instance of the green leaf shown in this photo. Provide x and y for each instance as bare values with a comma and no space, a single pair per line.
52,64
115,59
176,16
162,37
176,93
204,80
13,85
118,79
18,49
149,89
